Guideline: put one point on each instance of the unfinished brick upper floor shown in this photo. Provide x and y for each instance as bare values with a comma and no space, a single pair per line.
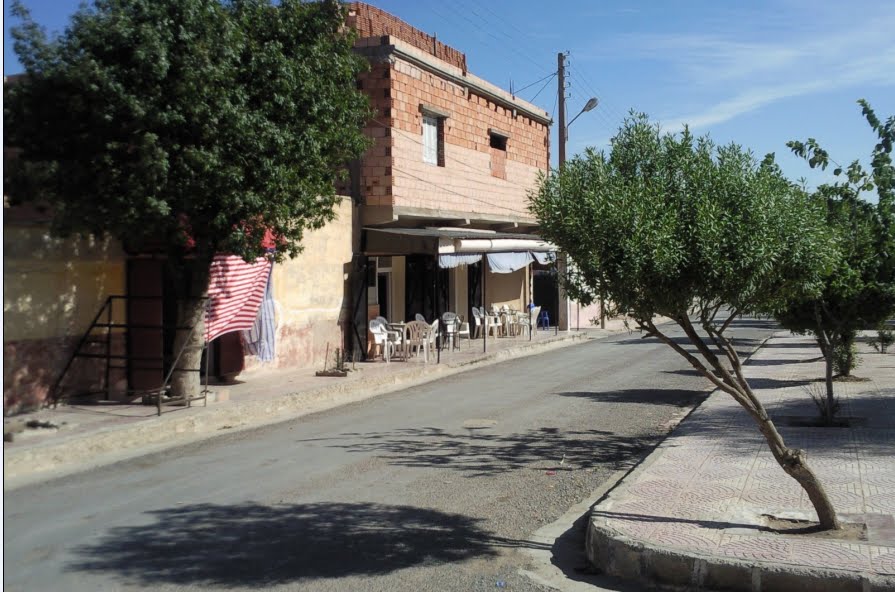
472,178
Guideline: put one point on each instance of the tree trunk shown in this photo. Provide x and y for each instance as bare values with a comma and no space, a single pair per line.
732,381
792,461
186,379
827,346
831,398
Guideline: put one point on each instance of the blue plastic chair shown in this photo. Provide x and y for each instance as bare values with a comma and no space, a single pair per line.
544,319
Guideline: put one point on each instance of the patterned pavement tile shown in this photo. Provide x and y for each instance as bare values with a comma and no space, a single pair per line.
656,489
721,472
776,497
760,548
884,563
670,470
883,479
829,554
883,503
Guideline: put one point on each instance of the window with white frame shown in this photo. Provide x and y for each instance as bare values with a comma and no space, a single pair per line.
430,139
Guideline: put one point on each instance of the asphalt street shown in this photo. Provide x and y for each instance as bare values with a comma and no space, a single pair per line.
438,487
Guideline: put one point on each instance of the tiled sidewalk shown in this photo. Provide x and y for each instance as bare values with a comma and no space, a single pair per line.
707,489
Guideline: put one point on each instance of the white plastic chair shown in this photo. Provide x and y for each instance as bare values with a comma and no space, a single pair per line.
416,338
462,330
451,327
477,321
433,333
384,339
526,320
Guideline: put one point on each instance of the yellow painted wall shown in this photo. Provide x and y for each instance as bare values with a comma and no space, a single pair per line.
312,296
52,289
505,288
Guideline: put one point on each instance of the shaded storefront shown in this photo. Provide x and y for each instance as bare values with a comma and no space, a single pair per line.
436,270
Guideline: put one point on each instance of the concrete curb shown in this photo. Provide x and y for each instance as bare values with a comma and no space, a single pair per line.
632,560
25,466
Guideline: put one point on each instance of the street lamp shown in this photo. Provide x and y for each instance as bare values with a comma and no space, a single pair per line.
591,103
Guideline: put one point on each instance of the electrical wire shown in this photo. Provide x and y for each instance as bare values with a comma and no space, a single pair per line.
519,90
542,88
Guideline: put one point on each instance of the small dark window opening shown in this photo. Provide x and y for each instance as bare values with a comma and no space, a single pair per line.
498,142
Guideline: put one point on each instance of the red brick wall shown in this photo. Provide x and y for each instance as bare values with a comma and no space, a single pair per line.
376,166
370,21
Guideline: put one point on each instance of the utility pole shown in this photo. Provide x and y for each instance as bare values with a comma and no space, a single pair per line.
561,104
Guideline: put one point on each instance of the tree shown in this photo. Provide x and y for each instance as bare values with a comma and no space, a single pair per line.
860,292
193,127
675,226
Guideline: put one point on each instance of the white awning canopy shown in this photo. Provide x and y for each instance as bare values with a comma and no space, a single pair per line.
450,241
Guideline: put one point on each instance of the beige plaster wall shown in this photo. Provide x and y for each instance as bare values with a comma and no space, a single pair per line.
505,288
52,289
311,297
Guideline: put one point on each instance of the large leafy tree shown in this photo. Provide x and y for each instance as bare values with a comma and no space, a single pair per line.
860,292
191,127
673,225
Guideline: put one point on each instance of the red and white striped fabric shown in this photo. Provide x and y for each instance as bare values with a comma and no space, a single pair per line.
236,289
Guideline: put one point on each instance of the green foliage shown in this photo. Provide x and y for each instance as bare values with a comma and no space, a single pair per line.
884,338
192,126
845,356
665,222
860,291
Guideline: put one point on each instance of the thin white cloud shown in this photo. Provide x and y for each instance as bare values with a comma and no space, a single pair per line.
874,69
728,73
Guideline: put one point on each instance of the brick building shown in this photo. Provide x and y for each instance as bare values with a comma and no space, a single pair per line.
453,160
444,183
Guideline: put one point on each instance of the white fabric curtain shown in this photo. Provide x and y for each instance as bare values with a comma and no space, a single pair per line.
450,261
544,258
508,262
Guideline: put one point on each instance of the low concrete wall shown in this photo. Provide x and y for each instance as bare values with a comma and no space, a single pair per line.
620,556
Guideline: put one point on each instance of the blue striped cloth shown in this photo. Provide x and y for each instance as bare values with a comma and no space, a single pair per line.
260,340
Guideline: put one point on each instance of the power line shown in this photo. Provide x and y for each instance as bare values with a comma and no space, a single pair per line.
519,90
501,44
608,105
542,88
518,47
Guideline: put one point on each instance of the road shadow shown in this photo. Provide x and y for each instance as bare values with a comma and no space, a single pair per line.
478,452
780,362
755,383
675,397
872,421
259,545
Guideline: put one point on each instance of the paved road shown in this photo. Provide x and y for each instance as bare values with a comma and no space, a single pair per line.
429,489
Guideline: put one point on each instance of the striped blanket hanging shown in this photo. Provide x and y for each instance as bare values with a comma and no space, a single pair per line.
235,292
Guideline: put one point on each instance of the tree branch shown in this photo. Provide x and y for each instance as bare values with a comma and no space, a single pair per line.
693,360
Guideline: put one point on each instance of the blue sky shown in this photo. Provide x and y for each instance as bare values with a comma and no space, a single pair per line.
758,73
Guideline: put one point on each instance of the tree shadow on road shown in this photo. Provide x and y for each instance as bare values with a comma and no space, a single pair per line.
676,397
477,452
259,545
